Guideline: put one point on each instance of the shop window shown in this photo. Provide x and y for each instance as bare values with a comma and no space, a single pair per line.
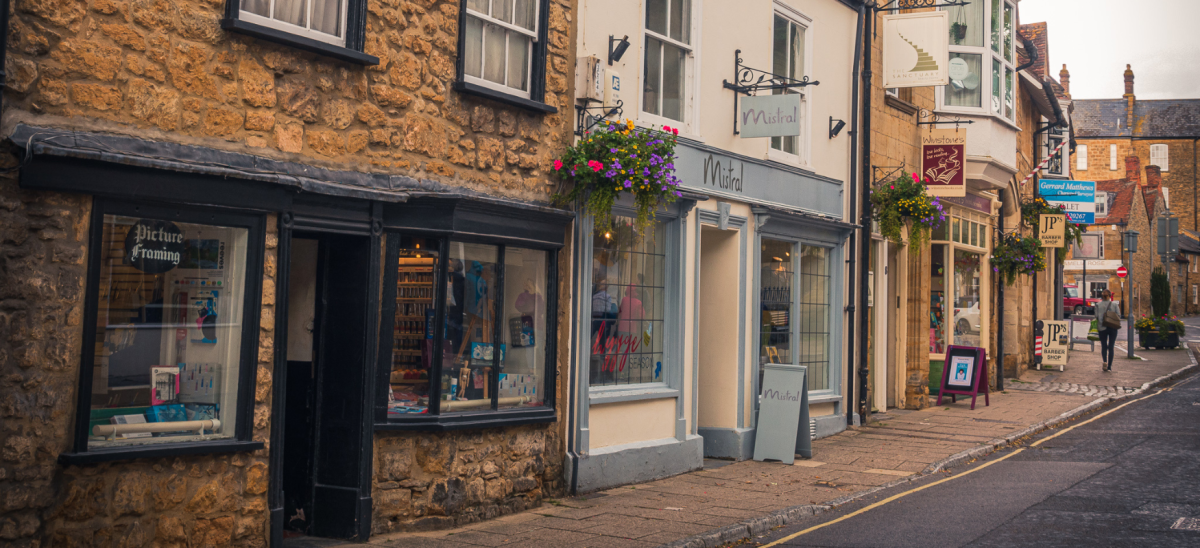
331,27
813,312
972,49
937,300
491,351
173,332
777,278
628,309
788,51
668,50
966,298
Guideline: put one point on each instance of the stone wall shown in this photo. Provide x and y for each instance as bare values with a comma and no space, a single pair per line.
164,70
215,500
1180,178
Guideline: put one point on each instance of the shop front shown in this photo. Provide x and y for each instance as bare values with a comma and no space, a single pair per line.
311,353
672,325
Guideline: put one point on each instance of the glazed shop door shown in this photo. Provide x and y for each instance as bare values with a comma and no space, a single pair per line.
336,451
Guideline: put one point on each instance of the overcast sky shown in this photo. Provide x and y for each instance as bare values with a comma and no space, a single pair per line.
1097,38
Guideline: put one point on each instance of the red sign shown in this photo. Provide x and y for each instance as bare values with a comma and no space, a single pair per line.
1122,272
944,162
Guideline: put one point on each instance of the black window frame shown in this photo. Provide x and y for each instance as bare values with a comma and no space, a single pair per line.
356,33
242,440
537,66
433,419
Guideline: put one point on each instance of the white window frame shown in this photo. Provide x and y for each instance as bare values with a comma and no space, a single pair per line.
297,30
533,44
804,147
1081,159
1101,204
1112,157
984,251
1063,157
987,55
691,74
1160,156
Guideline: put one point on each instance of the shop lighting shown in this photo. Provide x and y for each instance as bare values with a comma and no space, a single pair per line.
777,259
834,130
615,53
607,235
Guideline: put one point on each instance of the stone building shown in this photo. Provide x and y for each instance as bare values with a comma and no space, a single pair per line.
236,251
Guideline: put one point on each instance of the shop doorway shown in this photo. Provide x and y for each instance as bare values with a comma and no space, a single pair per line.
720,340
895,373
324,405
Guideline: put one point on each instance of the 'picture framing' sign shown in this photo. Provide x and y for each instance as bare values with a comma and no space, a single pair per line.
916,49
944,162
965,373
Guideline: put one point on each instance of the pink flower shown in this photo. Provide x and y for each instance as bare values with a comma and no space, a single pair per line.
667,129
675,130
557,165
893,187
596,166
915,178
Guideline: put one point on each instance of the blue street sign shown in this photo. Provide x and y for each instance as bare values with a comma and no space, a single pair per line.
1078,198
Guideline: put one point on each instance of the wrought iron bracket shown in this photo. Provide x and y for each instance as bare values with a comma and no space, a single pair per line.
914,4
889,173
581,115
937,119
751,81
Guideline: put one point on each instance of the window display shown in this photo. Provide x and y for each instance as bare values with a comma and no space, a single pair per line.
412,348
523,329
966,298
777,277
937,297
170,299
813,315
627,308
467,352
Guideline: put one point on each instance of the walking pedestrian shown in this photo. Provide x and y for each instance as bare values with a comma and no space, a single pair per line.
1109,319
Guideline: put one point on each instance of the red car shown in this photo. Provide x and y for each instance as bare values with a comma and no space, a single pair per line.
1073,303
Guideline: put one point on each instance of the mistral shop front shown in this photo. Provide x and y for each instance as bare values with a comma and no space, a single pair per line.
672,326
324,352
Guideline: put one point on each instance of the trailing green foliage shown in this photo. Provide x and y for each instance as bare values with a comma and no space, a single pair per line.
1031,213
904,202
1014,255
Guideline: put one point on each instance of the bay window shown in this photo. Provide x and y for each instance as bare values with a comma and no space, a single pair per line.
957,315
668,51
972,51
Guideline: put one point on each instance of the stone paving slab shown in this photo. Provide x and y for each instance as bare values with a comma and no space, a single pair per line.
717,500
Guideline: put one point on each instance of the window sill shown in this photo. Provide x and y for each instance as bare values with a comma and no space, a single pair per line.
288,39
900,104
476,90
157,451
598,396
460,421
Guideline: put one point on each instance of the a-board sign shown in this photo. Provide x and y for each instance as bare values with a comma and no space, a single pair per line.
965,373
1052,230
782,431
1050,342
1081,326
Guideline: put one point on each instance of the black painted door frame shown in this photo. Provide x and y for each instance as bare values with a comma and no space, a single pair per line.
352,487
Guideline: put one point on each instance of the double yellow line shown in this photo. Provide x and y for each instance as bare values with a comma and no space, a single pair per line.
954,477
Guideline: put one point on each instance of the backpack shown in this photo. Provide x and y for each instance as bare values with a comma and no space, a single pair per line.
1110,320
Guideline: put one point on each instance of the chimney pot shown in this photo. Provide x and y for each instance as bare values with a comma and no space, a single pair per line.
1128,80
1065,77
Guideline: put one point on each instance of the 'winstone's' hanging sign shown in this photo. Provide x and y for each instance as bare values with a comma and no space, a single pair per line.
916,49
769,115
154,246
943,162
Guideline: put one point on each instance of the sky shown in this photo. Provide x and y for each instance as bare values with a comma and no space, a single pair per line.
1097,38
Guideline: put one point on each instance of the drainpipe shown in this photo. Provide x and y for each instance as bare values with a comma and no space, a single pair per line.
572,384
854,106
864,214
1000,315
4,6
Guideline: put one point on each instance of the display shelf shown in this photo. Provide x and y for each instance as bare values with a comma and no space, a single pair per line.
411,381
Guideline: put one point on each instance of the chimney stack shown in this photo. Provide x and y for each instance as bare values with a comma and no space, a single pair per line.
1133,170
1065,78
1130,99
1153,176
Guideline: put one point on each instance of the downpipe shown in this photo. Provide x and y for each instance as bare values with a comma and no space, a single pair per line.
854,135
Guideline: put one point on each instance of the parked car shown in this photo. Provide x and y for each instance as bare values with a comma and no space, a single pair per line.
966,320
1075,303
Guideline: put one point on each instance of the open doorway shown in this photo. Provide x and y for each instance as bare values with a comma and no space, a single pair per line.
325,419
719,342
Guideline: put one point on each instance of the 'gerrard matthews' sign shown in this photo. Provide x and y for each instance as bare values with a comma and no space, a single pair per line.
916,49
769,115
1077,198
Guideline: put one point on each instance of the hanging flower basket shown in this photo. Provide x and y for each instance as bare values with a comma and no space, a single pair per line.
1014,254
616,159
1031,213
904,203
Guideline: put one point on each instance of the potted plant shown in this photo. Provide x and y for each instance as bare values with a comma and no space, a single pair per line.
1161,332
617,159
1014,255
958,31
1147,331
904,203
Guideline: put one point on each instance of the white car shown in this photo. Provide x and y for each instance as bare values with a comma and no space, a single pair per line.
966,320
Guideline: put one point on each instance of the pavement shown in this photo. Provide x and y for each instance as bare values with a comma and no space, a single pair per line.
728,501
1124,476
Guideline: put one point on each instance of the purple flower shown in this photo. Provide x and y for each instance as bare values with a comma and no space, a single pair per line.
610,173
678,194
612,150
628,183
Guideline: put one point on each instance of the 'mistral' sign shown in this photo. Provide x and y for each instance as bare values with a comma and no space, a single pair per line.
1052,230
782,431
769,116
916,49
943,162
